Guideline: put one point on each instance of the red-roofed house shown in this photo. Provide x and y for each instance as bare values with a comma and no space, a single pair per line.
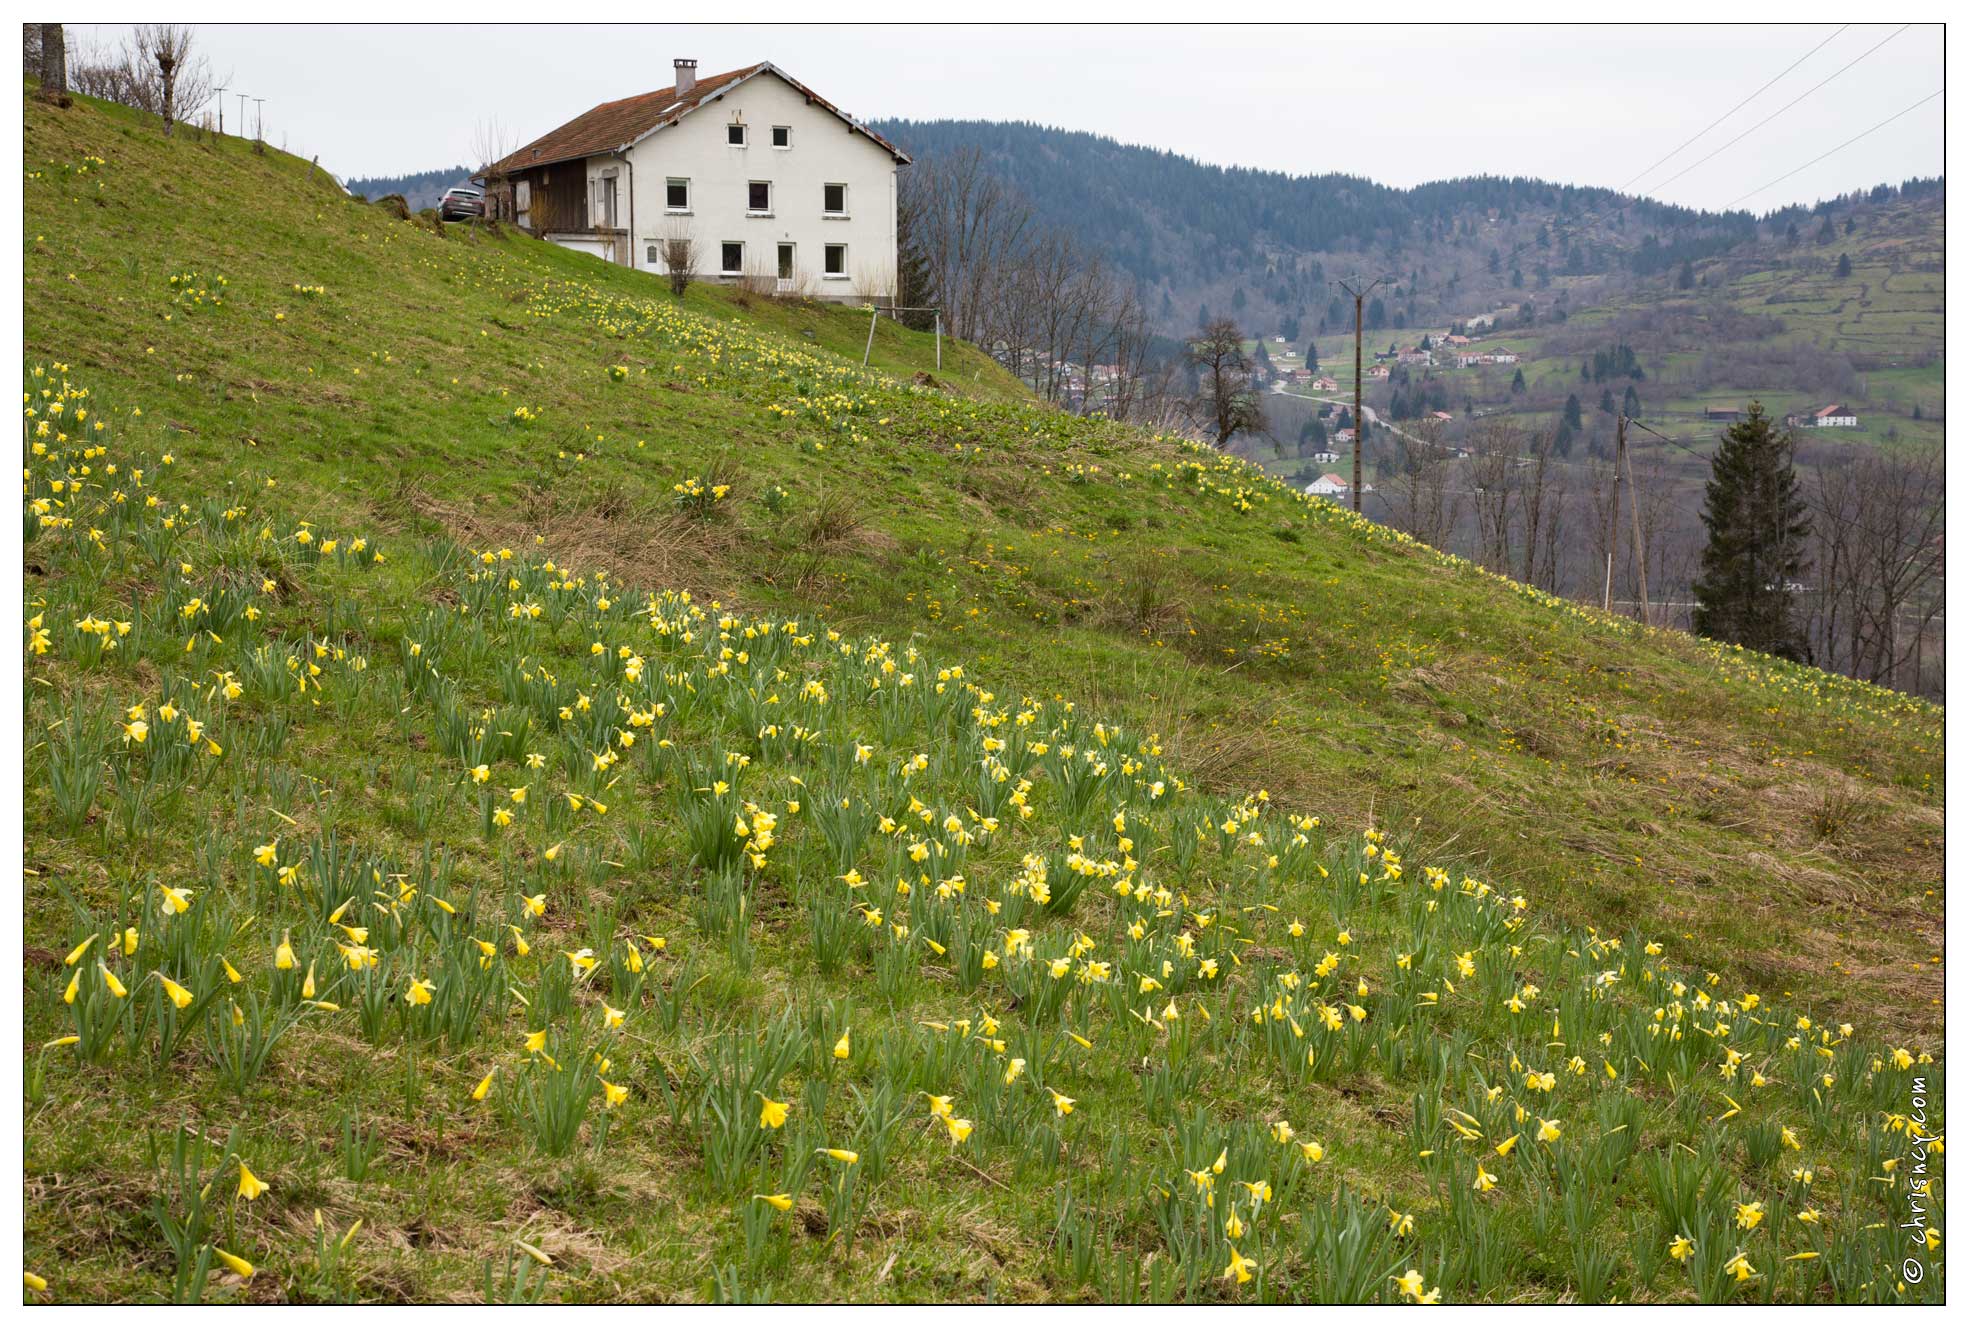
770,182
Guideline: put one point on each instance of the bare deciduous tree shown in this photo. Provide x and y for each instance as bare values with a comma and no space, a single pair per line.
679,257
1537,471
1496,449
1038,301
167,48
1877,559
1226,400
1547,570
1420,490
157,69
491,143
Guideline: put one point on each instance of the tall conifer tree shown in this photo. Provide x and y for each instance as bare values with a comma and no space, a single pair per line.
1755,516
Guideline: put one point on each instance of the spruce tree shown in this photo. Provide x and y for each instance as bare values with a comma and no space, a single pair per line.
1755,516
915,292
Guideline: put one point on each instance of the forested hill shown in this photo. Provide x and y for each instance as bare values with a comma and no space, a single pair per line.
422,190
1264,246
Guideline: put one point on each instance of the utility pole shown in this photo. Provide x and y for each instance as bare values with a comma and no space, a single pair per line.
1625,462
1360,421
242,114
222,111
259,119
1613,516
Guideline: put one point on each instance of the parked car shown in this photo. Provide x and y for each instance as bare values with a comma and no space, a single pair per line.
461,201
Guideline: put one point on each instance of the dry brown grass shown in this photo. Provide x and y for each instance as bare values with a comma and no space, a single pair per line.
639,541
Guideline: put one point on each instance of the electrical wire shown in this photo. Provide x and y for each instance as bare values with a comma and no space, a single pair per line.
1786,107
1841,148
1738,107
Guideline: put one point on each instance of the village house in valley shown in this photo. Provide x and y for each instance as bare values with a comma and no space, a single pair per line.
1334,486
772,185
1836,416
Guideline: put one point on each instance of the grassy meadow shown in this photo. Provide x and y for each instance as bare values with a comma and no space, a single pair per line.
540,790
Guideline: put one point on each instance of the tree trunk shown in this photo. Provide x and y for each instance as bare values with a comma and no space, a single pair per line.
54,64
167,68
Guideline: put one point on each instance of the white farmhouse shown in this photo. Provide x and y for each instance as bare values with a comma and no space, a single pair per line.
1328,486
772,185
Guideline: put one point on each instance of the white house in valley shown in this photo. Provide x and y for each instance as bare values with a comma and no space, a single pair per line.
773,185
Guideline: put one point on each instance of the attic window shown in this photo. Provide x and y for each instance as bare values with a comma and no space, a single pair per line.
677,194
735,135
834,200
782,136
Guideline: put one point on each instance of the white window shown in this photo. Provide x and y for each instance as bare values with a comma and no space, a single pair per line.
759,198
834,200
834,262
731,258
676,195
782,136
735,135
786,262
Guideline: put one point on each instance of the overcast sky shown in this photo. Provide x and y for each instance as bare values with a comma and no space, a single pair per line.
1402,105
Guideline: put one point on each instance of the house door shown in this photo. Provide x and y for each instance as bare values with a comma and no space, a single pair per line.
607,208
523,201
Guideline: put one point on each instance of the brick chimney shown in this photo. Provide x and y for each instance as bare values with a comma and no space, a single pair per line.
686,76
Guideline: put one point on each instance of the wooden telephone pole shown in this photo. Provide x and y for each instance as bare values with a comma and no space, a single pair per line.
1360,421
1624,463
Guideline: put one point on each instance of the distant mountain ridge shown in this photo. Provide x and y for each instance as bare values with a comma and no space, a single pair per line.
1265,246
421,190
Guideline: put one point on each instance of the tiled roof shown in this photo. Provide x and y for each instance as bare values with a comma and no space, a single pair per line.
615,125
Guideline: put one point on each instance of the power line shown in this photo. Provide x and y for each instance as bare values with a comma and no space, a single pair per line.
1803,497
1841,148
1739,106
1787,106
1621,205
1579,226
1678,229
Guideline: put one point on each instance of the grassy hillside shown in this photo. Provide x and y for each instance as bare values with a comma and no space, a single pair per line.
1776,323
1781,324
498,736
